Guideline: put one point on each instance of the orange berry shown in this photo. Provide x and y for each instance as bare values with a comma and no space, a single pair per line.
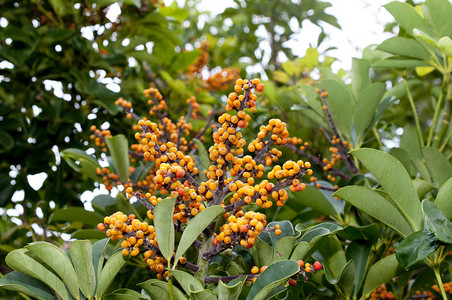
254,270
101,226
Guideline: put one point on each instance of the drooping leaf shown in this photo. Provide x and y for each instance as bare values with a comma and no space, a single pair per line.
377,206
164,227
58,261
274,276
108,273
20,260
437,222
381,272
82,259
416,247
395,181
195,227
359,251
119,150
444,199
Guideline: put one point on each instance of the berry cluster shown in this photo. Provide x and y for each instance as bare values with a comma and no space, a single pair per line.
220,81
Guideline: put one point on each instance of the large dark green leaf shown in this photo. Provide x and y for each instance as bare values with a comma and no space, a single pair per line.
20,260
381,272
395,181
262,253
416,247
87,164
274,276
57,260
359,251
333,257
376,205
437,222
119,150
164,227
76,214
82,259
315,199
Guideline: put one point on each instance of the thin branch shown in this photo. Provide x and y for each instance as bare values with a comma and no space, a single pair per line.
215,279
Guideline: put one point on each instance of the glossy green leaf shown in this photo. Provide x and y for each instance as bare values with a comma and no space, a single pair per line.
395,181
124,294
23,283
422,187
274,276
377,206
333,257
82,259
87,164
238,266
438,165
119,151
445,44
99,249
20,260
195,228
366,106
416,247
76,214
301,250
188,282
262,253
283,248
360,75
230,290
322,229
405,47
440,12
345,281
58,261
381,272
400,63
407,17
158,289
313,198
108,273
444,199
368,232
164,227
437,222
340,101
358,251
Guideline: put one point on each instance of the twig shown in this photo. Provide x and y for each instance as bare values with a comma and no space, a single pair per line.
215,279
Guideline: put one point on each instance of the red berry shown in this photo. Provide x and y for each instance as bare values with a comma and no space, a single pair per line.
292,282
260,87
181,191
317,265
180,173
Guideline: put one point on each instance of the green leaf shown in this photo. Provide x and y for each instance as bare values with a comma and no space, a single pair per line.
312,197
108,273
405,47
360,75
174,11
195,227
87,164
60,7
99,249
158,289
88,234
377,206
20,260
421,168
23,283
76,214
262,253
416,247
444,199
164,227
333,257
359,251
407,17
322,229
203,155
238,266
140,172
345,281
445,44
230,290
437,222
438,165
312,98
381,272
395,181
188,282
422,187
400,63
340,102
425,37
119,150
274,276
410,140
82,259
440,12
58,261
283,248
102,202
368,101
6,140
125,294
280,76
